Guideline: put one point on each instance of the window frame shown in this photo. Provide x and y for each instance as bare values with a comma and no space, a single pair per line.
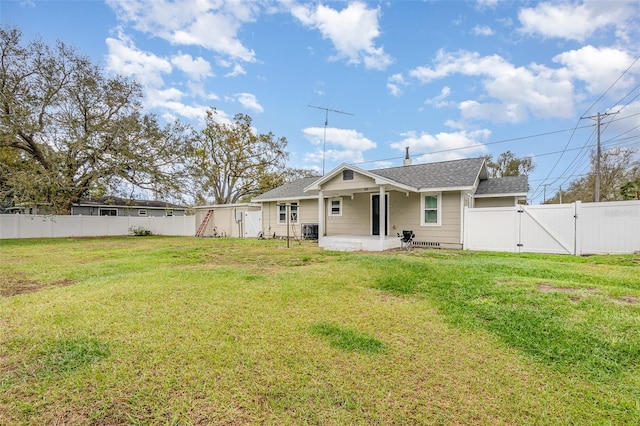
438,208
143,212
347,174
108,210
292,213
331,201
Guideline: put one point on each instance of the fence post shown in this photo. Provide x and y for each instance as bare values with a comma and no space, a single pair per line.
578,229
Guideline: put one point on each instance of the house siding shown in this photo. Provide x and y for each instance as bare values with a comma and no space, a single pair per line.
358,182
405,215
223,219
355,219
494,202
307,214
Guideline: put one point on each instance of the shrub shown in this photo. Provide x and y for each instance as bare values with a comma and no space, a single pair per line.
139,231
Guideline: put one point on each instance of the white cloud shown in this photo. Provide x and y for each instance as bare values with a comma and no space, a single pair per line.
351,30
482,4
462,144
598,68
196,69
519,91
395,83
578,21
124,58
236,71
482,30
211,24
249,101
440,101
351,144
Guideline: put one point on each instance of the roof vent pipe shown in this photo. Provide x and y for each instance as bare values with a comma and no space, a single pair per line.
407,160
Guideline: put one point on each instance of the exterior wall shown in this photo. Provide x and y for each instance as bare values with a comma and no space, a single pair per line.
358,182
355,219
307,214
494,202
405,214
223,220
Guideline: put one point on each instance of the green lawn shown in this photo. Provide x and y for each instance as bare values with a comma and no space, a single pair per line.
162,330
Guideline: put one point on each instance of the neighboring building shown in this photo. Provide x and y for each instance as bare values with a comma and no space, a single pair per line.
228,220
114,206
355,209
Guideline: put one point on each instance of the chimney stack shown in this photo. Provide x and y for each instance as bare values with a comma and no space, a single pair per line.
407,160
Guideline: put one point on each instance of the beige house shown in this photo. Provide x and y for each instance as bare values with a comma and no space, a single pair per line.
354,209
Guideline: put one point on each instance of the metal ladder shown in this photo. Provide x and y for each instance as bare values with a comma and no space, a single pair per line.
203,225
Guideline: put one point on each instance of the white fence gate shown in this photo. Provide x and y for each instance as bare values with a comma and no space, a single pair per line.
576,228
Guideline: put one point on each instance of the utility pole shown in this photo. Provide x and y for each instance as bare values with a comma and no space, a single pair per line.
560,194
598,153
326,123
544,197
598,117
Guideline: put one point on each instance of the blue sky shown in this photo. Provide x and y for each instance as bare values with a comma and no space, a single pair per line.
449,79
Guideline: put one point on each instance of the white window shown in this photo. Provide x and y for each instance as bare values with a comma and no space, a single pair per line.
293,212
108,212
335,207
169,212
142,212
431,209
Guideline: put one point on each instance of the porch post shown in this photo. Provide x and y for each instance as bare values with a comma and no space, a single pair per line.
382,215
320,215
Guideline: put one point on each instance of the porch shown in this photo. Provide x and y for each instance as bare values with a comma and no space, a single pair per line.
359,242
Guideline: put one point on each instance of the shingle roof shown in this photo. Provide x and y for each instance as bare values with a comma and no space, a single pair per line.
503,185
445,174
288,190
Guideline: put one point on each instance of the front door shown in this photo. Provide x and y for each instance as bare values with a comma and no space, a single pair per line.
375,214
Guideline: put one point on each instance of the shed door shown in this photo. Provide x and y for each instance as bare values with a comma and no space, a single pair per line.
252,224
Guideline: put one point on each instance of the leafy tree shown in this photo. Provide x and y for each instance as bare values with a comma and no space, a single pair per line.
229,162
73,128
618,171
508,164
631,190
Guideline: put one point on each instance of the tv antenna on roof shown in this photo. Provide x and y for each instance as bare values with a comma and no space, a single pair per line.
326,123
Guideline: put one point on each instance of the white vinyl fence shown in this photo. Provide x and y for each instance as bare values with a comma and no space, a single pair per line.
578,229
37,226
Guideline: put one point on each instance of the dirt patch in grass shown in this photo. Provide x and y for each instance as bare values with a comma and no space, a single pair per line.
622,300
627,300
14,286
